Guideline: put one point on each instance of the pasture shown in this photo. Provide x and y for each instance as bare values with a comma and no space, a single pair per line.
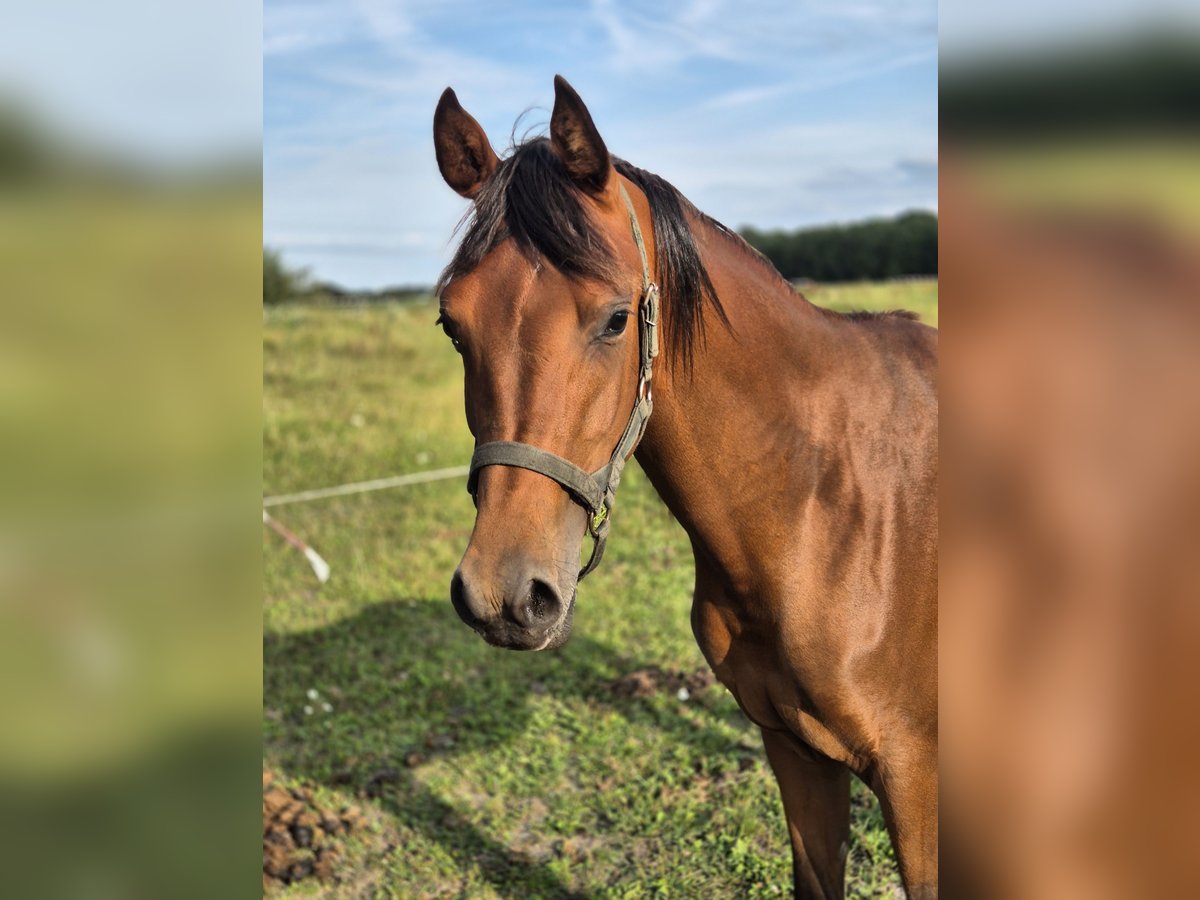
612,767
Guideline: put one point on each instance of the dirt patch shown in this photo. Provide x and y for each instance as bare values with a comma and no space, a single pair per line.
653,680
300,840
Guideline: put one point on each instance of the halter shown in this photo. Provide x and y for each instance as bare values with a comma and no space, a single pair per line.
596,492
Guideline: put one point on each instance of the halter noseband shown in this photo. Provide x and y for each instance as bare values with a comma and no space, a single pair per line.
596,492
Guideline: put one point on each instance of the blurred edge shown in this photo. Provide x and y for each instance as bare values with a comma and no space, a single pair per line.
1070,571
130,456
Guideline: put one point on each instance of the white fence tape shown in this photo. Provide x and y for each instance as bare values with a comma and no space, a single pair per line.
362,487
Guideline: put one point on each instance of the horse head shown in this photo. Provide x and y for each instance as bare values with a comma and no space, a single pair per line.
544,301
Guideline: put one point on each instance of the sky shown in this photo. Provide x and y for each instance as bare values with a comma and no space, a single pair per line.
776,115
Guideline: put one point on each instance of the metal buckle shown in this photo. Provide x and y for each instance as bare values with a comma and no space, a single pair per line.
650,305
598,519
650,316
645,390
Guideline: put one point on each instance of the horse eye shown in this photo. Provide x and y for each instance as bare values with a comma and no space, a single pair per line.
617,323
448,327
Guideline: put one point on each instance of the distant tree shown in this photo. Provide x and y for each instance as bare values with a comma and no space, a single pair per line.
28,151
281,283
874,249
1143,83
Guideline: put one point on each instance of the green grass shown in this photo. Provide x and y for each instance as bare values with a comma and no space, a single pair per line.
1142,175
531,777
919,295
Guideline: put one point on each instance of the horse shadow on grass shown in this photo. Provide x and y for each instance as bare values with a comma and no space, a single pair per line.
408,683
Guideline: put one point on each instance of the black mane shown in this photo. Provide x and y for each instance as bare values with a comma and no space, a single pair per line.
531,199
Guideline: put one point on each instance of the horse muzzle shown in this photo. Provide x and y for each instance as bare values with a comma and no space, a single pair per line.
518,609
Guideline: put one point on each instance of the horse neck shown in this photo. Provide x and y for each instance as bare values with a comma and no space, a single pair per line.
719,432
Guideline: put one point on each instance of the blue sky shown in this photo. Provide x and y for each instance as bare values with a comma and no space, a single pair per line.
767,114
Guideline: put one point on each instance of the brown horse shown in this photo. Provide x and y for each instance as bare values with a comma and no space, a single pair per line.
796,446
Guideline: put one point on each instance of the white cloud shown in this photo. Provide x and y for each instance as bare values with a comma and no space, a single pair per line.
292,28
848,75
783,36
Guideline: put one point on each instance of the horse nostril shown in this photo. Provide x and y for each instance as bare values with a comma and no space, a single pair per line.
462,604
541,606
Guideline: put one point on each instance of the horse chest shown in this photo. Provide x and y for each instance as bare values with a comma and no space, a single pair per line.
746,667
767,689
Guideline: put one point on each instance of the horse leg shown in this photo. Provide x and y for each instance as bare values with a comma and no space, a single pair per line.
908,797
816,800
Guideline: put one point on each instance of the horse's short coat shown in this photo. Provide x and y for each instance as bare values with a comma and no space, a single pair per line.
797,447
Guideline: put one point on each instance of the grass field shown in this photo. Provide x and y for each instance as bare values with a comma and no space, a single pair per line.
482,772
1144,176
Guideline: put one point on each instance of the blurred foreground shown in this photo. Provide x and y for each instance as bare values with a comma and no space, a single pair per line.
129,546
1070,577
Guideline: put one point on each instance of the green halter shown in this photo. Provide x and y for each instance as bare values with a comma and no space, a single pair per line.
596,492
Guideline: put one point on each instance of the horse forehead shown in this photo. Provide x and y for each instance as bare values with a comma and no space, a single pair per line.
495,288
507,288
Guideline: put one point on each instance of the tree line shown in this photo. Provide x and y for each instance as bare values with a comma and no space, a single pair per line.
280,281
1138,85
283,283
870,250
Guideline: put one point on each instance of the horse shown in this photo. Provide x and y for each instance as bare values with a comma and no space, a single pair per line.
599,314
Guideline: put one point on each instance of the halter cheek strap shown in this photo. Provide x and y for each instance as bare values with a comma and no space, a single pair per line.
596,491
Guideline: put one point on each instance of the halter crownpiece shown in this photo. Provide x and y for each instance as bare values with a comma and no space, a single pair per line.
595,492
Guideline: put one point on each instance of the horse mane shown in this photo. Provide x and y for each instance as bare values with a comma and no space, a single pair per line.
531,199
867,315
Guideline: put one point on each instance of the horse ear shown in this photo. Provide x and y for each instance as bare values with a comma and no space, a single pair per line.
464,155
575,139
